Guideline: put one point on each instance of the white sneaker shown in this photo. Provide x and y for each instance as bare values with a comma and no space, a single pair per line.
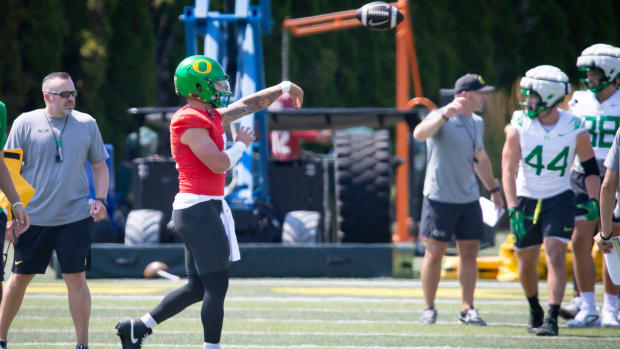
571,309
585,318
608,318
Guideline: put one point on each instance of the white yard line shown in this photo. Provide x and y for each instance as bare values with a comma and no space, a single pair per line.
284,299
309,346
232,309
330,334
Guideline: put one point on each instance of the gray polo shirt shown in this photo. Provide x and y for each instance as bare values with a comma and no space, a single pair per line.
61,187
450,151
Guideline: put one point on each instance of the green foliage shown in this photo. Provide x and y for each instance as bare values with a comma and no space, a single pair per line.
130,70
12,86
339,69
122,53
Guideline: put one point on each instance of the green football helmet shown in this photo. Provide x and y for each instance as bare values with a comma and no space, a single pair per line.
202,78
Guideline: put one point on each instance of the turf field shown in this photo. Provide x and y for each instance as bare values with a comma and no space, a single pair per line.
300,313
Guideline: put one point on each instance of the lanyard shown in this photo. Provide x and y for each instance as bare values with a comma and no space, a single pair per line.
58,138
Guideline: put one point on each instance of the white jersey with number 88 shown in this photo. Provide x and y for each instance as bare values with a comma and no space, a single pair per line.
601,119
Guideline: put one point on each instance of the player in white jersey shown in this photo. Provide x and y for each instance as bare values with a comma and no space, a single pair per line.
539,150
599,107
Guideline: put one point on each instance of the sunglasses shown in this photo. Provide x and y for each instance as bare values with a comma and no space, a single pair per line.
64,94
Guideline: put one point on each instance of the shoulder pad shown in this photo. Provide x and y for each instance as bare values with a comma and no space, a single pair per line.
519,119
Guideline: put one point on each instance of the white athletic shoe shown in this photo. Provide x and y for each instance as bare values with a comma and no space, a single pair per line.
585,319
609,318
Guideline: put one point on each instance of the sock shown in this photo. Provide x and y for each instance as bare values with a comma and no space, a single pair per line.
610,301
148,321
211,346
534,303
588,301
553,311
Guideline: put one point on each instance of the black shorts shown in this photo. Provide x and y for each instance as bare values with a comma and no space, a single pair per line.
34,247
578,184
207,248
442,220
556,218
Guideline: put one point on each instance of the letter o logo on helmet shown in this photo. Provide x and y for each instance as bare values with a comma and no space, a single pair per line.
207,66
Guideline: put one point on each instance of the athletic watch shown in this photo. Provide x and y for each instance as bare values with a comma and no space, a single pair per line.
103,201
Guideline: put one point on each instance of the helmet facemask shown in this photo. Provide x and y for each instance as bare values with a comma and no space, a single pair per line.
543,88
220,92
602,58
532,103
603,81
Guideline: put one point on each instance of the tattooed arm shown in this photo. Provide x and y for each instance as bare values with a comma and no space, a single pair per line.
259,101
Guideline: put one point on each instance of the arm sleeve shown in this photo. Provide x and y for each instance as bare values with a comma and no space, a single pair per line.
611,162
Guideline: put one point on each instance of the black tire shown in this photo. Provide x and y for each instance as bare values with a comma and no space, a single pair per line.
301,227
363,180
144,226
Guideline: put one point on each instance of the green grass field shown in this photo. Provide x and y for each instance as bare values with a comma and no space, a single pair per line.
300,313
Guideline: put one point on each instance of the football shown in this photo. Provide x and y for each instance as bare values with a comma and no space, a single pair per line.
379,15
150,272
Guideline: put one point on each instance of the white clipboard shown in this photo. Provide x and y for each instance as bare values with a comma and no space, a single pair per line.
490,214
613,261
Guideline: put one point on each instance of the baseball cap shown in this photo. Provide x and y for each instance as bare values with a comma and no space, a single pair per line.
471,82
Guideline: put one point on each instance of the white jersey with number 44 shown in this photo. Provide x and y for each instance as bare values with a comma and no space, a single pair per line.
601,119
546,157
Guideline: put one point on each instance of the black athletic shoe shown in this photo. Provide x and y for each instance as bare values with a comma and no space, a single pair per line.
81,346
471,316
536,319
549,327
132,333
2,344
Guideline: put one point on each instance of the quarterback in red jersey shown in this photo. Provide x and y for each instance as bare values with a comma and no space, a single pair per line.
200,213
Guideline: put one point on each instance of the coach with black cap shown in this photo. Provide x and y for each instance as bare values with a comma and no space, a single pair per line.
455,151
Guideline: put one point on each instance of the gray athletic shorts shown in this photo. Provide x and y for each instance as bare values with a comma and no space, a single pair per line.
207,249
441,220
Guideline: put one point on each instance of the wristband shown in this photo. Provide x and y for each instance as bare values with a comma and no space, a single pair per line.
604,238
286,86
234,153
17,203
494,190
103,201
445,118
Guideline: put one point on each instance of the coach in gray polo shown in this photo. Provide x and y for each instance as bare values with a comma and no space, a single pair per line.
455,151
